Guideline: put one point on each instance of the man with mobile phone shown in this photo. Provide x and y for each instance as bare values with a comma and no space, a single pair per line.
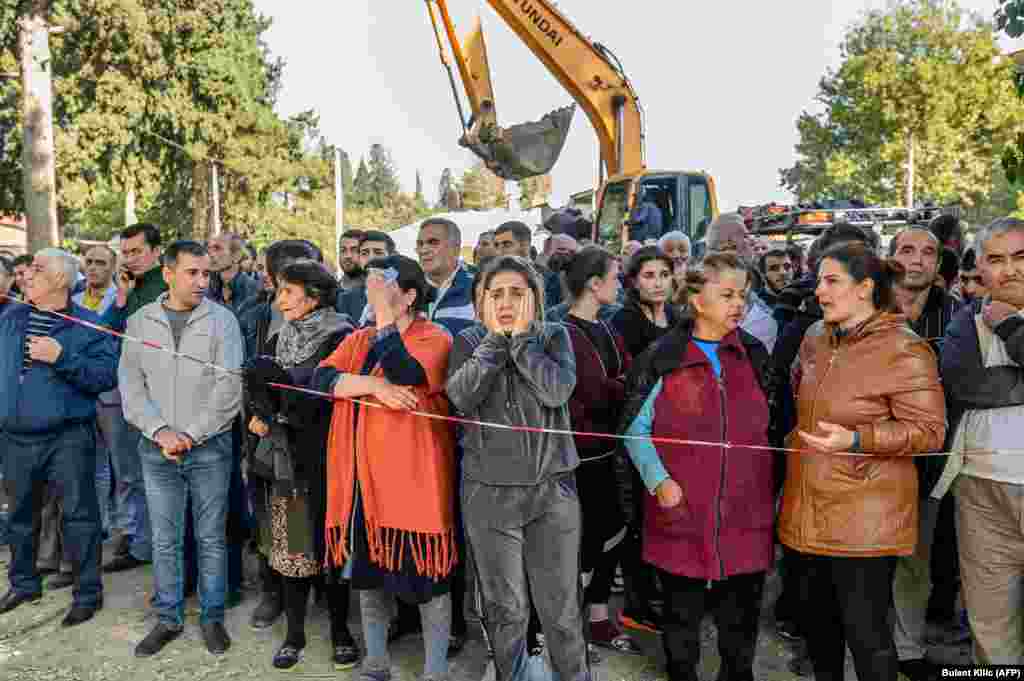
139,282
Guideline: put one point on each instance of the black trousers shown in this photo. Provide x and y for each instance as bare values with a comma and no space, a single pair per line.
944,564
736,606
849,601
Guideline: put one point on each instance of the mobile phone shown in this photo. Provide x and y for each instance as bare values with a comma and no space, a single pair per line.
390,274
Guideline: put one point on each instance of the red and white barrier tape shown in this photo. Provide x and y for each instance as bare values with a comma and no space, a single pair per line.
487,424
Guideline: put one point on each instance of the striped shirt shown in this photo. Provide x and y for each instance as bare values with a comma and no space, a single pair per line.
40,324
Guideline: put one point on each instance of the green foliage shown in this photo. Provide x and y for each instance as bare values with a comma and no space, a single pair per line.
149,93
921,71
481,189
1010,17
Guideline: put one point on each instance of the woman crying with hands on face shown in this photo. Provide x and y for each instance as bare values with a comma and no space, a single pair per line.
520,505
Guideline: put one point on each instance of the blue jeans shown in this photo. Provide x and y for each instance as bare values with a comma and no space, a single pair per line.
203,475
131,512
103,482
375,610
67,460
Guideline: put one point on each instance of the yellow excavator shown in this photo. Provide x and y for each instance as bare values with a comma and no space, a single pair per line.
595,79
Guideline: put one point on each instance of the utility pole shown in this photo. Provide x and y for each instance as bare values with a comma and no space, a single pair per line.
339,201
129,207
38,155
909,198
214,201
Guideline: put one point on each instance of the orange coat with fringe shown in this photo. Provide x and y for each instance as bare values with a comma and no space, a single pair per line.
405,464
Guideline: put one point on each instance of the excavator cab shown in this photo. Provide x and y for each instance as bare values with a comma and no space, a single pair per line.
686,201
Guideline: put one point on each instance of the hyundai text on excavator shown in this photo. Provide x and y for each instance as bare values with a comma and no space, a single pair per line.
595,79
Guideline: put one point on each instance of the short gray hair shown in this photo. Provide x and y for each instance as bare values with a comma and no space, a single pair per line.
996,227
895,242
64,263
712,235
669,237
451,229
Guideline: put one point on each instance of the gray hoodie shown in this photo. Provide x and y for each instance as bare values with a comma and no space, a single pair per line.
523,381
159,390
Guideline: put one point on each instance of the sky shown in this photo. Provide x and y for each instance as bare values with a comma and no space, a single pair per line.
722,85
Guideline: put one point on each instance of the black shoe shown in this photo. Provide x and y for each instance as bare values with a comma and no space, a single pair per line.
121,546
79,614
801,666
123,563
918,670
401,627
456,642
346,654
269,609
287,657
160,636
61,580
216,637
12,599
787,631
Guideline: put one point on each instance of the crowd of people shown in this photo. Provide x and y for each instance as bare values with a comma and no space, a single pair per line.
536,430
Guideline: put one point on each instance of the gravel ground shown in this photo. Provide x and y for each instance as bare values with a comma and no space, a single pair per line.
34,647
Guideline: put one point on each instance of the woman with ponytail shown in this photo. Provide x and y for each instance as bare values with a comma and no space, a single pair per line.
591,279
868,398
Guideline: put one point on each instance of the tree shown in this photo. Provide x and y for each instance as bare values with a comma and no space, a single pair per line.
481,189
444,188
361,185
383,177
534,191
922,103
1010,17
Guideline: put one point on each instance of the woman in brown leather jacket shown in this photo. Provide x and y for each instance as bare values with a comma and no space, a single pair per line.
868,397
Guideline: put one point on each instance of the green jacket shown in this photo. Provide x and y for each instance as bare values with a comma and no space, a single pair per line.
147,289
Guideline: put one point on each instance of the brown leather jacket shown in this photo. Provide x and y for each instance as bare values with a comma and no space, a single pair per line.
882,380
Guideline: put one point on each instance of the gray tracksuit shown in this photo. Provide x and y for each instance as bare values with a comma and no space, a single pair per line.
519,501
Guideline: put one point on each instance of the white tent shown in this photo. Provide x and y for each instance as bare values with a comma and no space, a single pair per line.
472,223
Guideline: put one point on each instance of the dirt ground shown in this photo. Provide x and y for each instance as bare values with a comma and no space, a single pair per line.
34,647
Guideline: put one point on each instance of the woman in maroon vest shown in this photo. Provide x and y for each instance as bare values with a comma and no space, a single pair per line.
592,280
708,518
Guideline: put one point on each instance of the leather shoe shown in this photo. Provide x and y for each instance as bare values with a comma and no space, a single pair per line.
12,599
122,563
79,614
216,637
61,580
155,641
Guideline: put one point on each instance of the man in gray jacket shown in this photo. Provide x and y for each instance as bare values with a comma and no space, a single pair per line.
184,407
520,505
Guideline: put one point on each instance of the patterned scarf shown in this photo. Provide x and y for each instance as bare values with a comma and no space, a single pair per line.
299,340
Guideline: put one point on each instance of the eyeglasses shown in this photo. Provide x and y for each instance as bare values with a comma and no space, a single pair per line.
89,262
972,279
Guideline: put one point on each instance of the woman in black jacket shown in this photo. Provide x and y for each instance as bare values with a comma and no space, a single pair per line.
648,312
292,451
647,315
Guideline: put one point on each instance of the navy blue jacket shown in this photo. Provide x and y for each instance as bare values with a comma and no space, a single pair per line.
48,397
454,311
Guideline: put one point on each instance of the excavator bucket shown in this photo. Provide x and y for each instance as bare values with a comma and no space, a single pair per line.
524,150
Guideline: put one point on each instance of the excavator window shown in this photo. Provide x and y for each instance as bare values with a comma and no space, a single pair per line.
664,192
614,208
700,208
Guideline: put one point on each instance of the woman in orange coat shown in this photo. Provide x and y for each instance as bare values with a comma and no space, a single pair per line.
390,521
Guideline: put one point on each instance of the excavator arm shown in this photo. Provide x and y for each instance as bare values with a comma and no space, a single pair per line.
585,69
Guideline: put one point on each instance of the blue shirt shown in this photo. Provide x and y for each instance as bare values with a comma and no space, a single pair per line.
710,348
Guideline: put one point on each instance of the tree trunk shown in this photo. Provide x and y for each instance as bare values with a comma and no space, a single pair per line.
214,200
200,200
38,156
909,197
